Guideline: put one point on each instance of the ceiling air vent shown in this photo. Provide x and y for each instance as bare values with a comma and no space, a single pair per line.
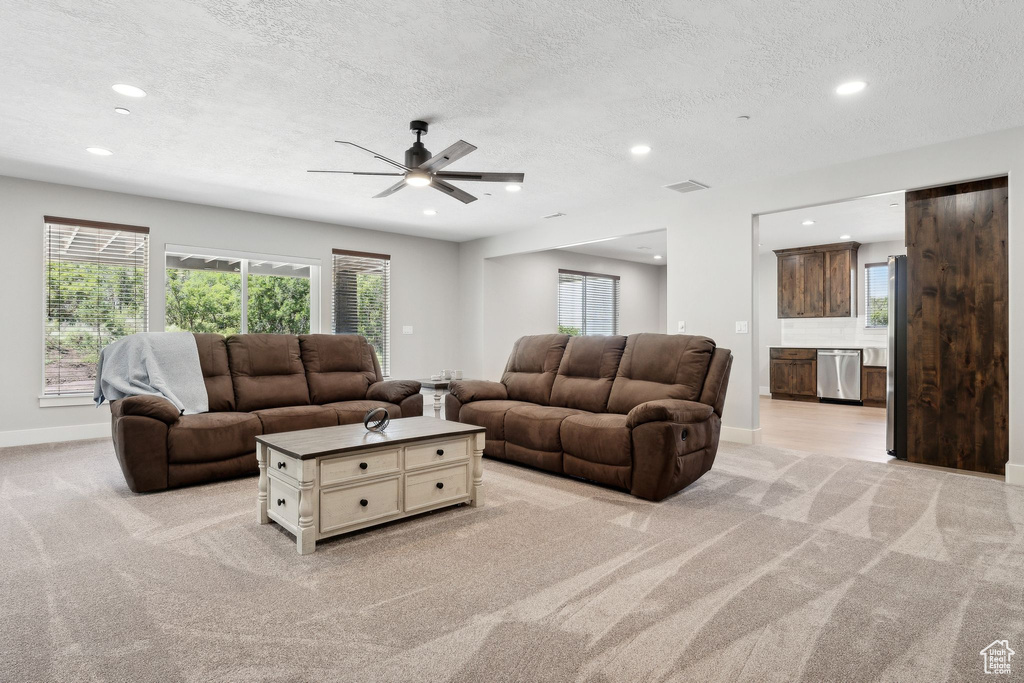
554,215
686,186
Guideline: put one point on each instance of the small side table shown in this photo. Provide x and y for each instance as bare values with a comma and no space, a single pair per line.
440,386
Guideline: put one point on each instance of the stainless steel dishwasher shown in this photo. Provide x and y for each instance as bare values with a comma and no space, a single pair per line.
839,374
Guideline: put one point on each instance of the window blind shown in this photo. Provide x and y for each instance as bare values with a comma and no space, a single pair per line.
97,291
876,294
588,303
362,300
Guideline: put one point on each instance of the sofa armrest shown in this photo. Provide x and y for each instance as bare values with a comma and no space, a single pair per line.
156,407
668,410
468,390
393,391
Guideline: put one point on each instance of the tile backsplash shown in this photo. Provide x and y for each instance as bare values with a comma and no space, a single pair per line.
830,331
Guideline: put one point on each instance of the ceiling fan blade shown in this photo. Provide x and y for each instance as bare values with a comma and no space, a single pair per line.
452,191
374,154
482,177
391,190
448,156
357,172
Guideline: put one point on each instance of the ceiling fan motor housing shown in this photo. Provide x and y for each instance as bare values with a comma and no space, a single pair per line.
417,154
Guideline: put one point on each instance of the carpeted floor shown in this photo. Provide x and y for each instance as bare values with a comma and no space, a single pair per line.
775,566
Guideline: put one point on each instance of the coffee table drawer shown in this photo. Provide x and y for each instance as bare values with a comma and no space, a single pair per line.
351,505
435,453
284,466
433,487
354,468
283,503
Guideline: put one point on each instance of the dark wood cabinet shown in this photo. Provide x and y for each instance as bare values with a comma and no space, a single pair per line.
872,386
818,282
794,374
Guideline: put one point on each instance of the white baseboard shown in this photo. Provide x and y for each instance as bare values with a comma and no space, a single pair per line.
765,391
25,437
749,437
1014,474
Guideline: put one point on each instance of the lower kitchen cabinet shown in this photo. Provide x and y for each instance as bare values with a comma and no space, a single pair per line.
794,374
872,386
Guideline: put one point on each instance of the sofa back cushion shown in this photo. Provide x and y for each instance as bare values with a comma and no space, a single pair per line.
585,375
339,367
530,371
658,366
213,359
266,371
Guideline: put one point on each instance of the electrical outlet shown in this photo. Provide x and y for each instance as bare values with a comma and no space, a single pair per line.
741,327
682,327
406,329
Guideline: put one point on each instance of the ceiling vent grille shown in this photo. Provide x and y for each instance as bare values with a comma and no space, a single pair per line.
686,186
555,215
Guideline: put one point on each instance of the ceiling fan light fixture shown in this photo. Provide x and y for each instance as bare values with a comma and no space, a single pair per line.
417,179
429,212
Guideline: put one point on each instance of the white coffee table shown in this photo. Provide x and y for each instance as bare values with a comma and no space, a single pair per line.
318,483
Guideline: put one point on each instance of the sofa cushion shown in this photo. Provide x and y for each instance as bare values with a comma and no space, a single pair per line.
212,436
585,374
536,427
467,390
490,415
531,367
598,447
393,391
339,367
213,359
668,410
294,418
353,412
657,366
266,371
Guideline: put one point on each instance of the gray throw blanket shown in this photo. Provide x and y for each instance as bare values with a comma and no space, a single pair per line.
153,364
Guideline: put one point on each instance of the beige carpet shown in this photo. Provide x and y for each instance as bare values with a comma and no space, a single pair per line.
775,566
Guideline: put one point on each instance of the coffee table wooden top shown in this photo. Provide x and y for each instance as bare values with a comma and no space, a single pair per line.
312,443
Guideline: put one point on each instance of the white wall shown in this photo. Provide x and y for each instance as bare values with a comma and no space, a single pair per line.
768,313
422,287
521,297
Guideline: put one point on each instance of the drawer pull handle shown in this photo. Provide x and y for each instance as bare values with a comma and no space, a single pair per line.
364,502
440,451
362,465
440,484
280,501
282,465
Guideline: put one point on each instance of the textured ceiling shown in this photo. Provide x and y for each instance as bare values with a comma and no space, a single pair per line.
244,95
869,219
639,247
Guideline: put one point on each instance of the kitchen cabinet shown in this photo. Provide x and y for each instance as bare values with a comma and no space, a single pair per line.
818,281
794,374
872,386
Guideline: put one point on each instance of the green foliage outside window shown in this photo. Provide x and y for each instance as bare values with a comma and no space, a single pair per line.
571,331
278,305
878,311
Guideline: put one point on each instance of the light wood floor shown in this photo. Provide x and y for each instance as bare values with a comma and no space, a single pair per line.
827,428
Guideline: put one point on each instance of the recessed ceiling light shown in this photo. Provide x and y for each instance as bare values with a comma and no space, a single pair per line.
640,149
895,204
807,223
844,237
657,257
99,151
122,111
129,90
513,188
429,212
851,87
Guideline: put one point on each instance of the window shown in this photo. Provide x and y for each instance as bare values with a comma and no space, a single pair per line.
588,303
362,300
876,295
232,294
96,293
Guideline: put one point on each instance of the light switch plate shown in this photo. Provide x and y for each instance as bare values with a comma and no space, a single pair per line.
406,329
741,327
682,327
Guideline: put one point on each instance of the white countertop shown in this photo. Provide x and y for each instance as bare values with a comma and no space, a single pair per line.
827,346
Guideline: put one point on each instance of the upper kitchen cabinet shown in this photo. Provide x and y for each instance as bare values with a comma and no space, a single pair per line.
819,281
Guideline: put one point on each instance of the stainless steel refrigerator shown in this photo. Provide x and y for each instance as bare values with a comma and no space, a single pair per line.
896,368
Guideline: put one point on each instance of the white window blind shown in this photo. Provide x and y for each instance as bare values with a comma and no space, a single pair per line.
876,294
362,300
97,289
588,303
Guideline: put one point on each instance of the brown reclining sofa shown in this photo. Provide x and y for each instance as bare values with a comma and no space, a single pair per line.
256,384
641,413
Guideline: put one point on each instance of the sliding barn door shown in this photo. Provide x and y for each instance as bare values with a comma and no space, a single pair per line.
957,326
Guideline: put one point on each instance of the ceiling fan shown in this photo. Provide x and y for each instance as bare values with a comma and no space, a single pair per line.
421,168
